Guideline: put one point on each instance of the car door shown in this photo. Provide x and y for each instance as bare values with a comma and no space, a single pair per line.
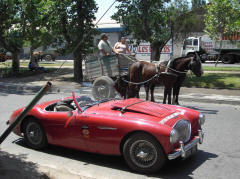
65,130
100,133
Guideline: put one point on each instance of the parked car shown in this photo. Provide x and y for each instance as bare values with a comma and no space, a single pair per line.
146,134
4,56
46,55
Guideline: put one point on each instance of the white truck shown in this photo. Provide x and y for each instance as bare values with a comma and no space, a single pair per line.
209,49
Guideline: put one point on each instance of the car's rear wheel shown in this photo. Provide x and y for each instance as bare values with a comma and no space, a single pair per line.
48,57
143,153
34,134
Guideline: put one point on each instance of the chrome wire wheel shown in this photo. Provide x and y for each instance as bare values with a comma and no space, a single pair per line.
34,133
143,153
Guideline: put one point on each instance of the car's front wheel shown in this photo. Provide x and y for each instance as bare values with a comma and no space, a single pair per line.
34,134
143,153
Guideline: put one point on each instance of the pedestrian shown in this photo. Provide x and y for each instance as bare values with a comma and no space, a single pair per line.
104,46
34,66
121,46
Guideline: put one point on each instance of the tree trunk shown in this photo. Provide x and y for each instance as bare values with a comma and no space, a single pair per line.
78,72
15,63
155,52
156,49
31,54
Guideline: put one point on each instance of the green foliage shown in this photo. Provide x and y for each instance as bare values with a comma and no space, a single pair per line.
11,33
185,21
74,22
219,68
71,21
198,3
35,20
155,21
214,80
222,18
146,20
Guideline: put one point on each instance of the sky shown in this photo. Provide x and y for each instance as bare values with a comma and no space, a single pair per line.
103,5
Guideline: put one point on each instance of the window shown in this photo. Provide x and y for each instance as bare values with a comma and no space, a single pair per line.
188,42
195,42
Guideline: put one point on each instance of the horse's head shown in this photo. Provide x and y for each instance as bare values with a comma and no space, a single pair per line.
196,65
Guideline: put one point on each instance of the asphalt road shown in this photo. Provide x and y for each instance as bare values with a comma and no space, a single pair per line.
218,156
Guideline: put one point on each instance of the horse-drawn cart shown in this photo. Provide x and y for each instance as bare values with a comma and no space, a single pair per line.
103,71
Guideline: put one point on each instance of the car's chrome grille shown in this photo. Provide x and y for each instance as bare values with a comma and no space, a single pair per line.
183,127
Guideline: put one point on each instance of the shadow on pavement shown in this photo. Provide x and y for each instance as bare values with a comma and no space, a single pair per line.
202,110
38,77
172,169
15,167
178,168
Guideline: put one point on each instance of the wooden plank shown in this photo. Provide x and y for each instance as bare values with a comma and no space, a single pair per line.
108,65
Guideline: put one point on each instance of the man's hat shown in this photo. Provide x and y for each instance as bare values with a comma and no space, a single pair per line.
103,35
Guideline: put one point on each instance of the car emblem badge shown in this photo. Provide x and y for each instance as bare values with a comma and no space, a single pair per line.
85,133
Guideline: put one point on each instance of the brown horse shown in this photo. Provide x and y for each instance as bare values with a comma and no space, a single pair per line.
142,71
180,67
150,75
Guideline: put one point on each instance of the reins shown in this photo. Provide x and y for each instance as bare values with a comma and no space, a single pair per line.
183,72
157,74
140,83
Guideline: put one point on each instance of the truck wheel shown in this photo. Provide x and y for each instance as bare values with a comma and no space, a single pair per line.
228,59
190,55
103,88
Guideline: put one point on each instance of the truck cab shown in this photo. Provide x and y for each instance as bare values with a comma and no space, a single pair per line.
190,46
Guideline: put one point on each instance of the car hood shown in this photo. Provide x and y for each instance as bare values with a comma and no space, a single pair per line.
136,109
142,107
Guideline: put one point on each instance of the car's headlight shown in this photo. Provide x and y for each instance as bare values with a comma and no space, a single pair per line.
174,136
201,119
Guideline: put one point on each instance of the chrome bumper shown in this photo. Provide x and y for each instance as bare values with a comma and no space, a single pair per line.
183,149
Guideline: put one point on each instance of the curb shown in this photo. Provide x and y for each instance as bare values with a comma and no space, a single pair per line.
216,99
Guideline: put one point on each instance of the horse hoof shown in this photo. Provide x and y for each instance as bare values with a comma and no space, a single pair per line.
176,104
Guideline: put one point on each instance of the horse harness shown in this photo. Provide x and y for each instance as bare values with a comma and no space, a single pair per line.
158,66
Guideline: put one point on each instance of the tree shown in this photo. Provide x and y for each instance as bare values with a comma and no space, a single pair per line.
72,22
222,19
35,20
154,21
146,20
11,31
185,21
198,3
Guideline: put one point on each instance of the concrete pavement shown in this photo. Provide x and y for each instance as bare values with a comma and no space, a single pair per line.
10,165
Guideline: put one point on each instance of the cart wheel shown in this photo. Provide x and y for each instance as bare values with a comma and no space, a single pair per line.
103,88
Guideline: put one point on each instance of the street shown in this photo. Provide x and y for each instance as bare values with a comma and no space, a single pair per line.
218,156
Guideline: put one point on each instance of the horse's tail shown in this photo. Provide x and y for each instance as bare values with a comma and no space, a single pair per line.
135,73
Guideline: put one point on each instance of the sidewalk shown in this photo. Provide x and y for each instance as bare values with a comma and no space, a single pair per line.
64,81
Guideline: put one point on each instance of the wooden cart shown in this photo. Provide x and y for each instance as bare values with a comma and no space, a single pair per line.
103,71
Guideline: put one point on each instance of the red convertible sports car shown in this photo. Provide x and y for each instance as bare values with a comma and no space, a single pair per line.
145,133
